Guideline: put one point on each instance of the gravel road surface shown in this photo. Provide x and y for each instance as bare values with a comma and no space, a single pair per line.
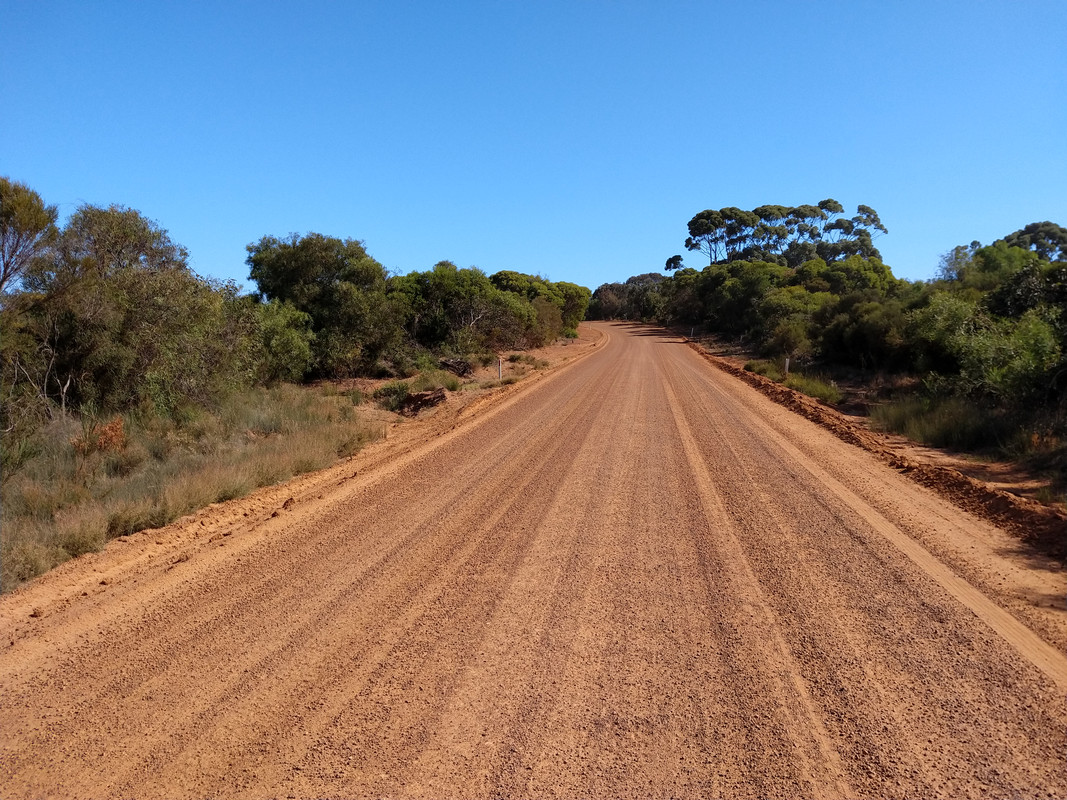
634,577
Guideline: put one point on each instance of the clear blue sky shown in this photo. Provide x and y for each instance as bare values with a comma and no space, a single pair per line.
572,139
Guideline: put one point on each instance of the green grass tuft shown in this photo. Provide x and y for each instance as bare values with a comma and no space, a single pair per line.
953,422
816,387
767,369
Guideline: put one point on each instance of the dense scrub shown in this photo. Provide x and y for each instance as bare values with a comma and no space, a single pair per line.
986,341
103,323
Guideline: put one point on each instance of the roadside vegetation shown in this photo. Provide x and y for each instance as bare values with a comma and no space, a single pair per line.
975,359
90,479
133,391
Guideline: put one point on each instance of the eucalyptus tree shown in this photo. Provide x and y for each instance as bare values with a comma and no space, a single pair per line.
1047,239
342,289
707,235
27,229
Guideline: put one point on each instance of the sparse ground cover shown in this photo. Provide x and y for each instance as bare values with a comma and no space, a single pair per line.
813,384
86,481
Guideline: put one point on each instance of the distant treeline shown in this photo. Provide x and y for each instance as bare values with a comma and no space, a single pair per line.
991,327
104,314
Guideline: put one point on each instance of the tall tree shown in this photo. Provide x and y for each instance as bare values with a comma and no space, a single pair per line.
707,235
1047,239
27,227
117,319
739,226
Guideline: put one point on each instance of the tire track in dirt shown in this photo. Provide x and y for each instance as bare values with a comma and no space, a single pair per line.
616,581
217,622
831,570
1031,646
821,762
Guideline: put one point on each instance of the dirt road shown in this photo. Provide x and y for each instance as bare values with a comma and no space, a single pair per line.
636,577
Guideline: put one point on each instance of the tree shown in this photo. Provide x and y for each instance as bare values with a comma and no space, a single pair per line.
287,340
740,226
1047,239
27,228
99,242
463,311
957,261
805,222
831,208
608,301
117,319
340,287
575,304
707,234
783,235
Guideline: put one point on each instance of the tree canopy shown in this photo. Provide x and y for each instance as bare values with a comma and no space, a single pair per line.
339,286
806,282
103,314
27,227
782,234
1047,239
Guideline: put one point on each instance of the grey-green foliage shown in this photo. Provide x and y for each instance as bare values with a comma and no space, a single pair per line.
1047,239
462,310
992,328
27,228
783,234
1011,360
287,340
570,299
112,317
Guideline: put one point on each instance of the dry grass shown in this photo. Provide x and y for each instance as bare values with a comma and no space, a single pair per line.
90,481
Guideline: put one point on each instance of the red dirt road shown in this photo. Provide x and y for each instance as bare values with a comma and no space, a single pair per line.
636,577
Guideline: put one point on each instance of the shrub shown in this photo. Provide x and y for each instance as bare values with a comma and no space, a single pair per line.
64,503
392,395
435,379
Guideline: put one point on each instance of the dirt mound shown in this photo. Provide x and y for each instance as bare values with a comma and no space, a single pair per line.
1044,527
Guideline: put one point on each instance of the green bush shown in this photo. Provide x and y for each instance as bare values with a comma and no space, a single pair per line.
392,395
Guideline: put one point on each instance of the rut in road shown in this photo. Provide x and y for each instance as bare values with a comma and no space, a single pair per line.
637,578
